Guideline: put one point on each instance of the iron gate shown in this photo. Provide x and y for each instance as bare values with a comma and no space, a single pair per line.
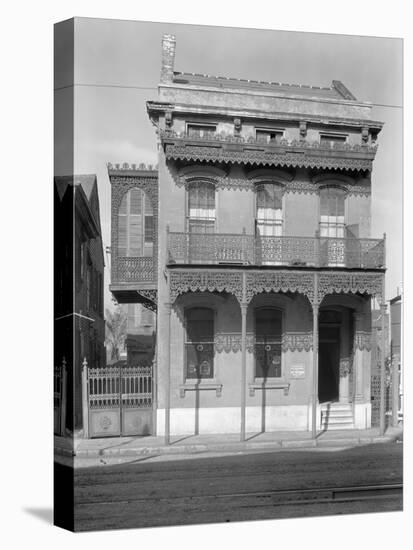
59,398
120,401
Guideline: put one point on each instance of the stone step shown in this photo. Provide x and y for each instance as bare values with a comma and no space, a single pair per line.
337,420
349,426
338,415
330,406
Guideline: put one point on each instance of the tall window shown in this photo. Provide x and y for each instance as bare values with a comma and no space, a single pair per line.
332,212
333,138
135,223
199,343
201,207
268,136
201,130
269,210
268,334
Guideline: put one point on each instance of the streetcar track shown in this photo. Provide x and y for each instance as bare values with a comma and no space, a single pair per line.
277,497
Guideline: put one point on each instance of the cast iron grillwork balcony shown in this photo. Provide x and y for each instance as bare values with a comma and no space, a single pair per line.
242,249
132,269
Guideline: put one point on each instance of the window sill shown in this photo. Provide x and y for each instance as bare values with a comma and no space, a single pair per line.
194,386
274,384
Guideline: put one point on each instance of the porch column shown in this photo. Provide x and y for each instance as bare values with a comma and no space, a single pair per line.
383,370
358,381
168,308
344,369
244,308
316,306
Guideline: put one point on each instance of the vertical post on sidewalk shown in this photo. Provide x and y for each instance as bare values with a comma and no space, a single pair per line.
383,370
314,401
63,397
85,398
244,307
168,308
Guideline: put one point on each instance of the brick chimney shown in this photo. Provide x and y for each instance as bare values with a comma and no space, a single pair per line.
168,58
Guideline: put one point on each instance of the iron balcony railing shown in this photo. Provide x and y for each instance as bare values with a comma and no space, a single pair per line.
132,269
242,249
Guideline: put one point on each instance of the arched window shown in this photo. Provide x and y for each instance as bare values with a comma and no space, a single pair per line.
268,335
201,207
269,218
135,225
332,201
199,342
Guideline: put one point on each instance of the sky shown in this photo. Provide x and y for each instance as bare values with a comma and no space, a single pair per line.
117,68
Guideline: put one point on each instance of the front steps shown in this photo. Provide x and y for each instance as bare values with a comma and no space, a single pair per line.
337,416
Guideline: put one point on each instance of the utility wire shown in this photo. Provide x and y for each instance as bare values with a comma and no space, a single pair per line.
155,88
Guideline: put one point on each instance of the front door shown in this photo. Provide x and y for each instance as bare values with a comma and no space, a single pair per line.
329,363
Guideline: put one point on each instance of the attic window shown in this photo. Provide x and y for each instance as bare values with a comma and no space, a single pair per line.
264,135
200,130
333,138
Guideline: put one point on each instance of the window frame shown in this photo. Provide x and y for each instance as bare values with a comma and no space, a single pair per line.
206,379
329,223
144,243
209,125
337,137
261,379
269,131
190,185
281,190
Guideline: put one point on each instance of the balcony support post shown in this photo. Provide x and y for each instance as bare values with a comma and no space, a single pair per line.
244,308
168,308
383,369
314,400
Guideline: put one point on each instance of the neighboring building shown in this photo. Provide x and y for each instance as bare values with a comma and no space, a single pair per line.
134,231
79,261
252,241
140,335
396,344
377,339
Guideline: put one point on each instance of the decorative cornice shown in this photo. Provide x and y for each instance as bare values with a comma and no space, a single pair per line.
249,182
276,157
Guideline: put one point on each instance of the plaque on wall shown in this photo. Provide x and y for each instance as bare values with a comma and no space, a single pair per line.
297,371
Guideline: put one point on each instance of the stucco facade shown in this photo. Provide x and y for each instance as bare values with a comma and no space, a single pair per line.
264,266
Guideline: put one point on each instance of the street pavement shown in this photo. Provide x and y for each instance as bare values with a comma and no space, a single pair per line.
245,486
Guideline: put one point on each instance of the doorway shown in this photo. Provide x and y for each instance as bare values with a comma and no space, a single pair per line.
329,356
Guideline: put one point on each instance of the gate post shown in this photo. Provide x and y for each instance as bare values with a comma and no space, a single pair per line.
85,397
63,397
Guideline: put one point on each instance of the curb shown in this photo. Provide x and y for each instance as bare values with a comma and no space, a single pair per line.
231,448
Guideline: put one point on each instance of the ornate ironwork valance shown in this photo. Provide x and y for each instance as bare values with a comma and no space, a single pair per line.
303,282
193,281
290,341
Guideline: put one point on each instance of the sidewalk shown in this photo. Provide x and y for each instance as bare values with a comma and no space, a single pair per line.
221,443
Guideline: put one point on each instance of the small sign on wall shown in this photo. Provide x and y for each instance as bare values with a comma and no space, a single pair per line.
297,371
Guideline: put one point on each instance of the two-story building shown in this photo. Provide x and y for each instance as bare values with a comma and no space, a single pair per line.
79,276
253,242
